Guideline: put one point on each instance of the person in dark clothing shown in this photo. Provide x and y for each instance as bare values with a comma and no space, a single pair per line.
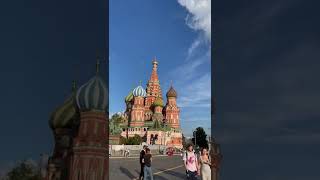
147,165
142,153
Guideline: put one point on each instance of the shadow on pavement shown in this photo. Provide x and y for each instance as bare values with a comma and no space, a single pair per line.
126,172
174,173
157,177
138,172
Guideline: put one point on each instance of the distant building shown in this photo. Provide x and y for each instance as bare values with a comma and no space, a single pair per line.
146,114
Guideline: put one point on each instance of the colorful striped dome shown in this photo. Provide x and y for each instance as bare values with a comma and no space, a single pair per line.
172,93
139,91
93,95
65,115
129,97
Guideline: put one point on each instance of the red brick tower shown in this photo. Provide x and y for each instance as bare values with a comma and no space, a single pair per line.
171,110
138,108
90,154
153,86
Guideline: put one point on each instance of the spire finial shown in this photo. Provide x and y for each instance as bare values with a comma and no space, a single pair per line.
140,82
74,86
171,83
154,61
97,65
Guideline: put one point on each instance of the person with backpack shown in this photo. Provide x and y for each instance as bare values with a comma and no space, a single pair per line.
191,163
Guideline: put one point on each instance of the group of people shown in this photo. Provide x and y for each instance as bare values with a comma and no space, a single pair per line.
197,166
194,165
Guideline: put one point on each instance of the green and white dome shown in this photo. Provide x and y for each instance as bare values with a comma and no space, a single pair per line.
93,95
139,91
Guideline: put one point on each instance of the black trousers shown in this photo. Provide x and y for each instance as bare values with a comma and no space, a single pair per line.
141,171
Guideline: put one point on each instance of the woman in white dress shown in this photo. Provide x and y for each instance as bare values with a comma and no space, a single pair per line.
205,163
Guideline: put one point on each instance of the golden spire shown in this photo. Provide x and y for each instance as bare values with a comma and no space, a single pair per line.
140,82
97,65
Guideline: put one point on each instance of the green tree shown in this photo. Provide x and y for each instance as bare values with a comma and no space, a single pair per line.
114,124
135,140
123,140
24,171
117,118
200,138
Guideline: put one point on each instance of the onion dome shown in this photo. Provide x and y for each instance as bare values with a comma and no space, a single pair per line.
172,93
139,91
67,114
93,95
129,97
158,102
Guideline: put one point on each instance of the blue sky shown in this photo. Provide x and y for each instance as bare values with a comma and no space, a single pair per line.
138,32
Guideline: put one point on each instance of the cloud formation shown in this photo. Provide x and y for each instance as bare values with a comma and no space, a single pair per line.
199,17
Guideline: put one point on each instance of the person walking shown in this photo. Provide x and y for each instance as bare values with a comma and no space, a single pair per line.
147,165
142,153
205,163
191,163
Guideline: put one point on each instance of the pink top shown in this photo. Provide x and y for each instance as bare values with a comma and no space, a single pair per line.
192,160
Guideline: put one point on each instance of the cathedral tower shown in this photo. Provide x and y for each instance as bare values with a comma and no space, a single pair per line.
90,153
137,112
63,122
171,110
153,86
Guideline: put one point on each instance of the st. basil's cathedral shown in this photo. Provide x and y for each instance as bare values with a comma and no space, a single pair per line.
146,114
80,130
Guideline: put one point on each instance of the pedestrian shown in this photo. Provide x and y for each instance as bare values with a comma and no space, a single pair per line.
191,163
205,163
147,159
142,153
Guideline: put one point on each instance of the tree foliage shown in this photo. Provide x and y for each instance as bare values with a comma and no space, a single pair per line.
135,140
24,171
117,118
114,124
200,138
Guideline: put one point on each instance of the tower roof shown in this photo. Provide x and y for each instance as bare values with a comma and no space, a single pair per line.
66,114
172,92
93,95
139,91
154,74
129,97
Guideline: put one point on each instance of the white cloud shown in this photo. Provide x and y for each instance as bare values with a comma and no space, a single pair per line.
199,17
197,93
